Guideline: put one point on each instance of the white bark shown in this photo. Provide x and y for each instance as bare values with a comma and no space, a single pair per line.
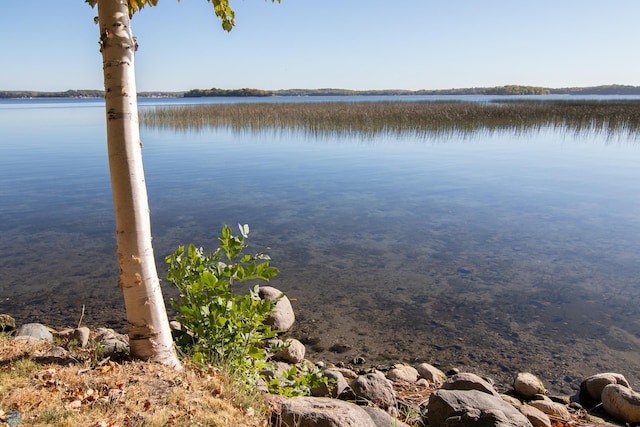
149,332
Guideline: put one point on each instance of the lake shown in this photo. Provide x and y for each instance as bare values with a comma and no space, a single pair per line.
491,252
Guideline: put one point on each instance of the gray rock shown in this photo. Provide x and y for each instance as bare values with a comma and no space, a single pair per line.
35,331
322,412
375,388
591,388
337,384
527,385
621,402
109,341
535,416
431,373
283,317
7,323
403,372
466,408
469,381
292,353
382,418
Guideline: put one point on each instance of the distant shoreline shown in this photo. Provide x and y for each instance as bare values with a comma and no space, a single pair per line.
248,92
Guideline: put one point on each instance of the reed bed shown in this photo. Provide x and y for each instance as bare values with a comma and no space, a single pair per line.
417,118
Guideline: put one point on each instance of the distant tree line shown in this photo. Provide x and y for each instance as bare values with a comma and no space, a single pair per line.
79,94
196,93
66,94
246,92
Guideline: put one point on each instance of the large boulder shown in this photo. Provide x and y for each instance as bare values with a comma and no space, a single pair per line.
591,388
283,317
621,402
322,412
469,381
376,388
472,408
527,385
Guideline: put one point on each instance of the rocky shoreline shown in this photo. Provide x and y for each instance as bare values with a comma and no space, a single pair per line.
400,394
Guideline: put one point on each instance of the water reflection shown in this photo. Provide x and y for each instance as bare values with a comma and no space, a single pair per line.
493,252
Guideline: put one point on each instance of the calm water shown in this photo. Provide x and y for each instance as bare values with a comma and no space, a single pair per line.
493,252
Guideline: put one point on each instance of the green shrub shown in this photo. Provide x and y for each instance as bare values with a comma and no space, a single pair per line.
218,325
227,329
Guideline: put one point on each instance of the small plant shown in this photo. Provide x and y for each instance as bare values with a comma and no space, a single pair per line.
298,381
218,325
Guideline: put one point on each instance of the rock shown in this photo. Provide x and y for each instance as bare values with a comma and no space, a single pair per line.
431,373
275,370
35,331
282,318
591,388
535,416
472,408
375,388
292,353
337,384
621,402
347,373
175,325
382,418
322,412
403,372
527,385
81,336
469,381
553,409
109,341
516,403
7,323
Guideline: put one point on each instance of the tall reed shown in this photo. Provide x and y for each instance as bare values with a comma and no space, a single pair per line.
421,118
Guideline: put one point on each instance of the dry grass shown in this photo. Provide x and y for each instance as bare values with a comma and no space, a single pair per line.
401,117
74,390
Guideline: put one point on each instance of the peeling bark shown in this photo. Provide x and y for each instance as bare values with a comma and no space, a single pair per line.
149,331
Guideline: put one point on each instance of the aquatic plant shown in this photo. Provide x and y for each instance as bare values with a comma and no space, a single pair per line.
416,118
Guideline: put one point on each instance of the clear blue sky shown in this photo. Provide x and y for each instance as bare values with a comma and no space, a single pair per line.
355,44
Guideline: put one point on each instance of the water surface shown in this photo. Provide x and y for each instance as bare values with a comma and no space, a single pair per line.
491,252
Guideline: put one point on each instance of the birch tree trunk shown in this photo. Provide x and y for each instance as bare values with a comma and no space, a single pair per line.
148,325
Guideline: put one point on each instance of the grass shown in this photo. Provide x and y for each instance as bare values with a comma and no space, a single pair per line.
122,393
417,118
